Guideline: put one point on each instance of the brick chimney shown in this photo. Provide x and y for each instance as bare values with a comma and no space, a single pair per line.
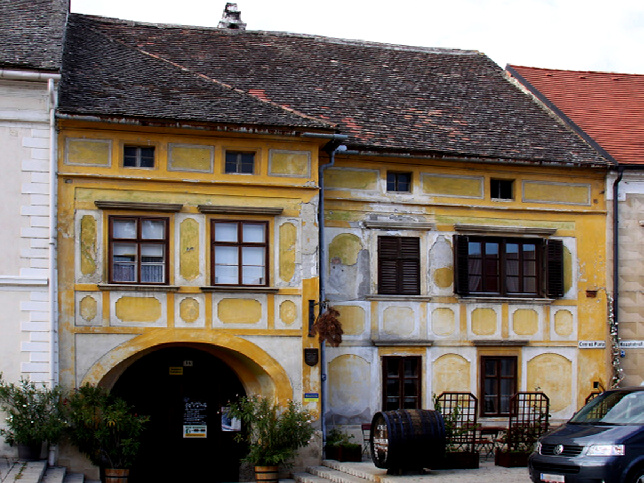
231,19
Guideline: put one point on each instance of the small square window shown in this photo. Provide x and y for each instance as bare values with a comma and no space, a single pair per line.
138,157
398,181
502,189
238,162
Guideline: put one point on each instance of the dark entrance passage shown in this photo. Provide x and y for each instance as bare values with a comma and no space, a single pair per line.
182,389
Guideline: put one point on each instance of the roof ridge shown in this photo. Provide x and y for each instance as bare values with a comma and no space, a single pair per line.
254,97
599,72
323,38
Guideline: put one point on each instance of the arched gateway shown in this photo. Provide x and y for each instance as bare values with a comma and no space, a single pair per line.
183,386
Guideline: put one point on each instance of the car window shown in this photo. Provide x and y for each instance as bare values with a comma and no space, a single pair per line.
620,407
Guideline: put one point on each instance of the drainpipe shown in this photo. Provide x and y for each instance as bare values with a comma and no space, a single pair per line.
332,147
620,173
53,282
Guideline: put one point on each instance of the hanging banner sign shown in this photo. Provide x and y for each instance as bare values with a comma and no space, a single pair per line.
592,344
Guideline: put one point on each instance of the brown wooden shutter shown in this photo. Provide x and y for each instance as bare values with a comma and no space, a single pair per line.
555,269
461,267
398,265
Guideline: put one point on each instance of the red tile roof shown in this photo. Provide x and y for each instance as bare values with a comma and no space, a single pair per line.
608,107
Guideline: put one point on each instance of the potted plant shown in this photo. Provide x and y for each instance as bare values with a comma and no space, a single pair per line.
33,417
339,447
517,444
460,439
273,434
105,429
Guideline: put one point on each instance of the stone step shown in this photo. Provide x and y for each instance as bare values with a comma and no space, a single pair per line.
54,474
365,470
309,478
74,478
336,472
26,472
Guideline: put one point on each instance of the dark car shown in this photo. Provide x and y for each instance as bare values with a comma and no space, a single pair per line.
602,443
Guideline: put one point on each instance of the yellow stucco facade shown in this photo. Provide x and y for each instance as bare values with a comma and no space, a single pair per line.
259,331
451,334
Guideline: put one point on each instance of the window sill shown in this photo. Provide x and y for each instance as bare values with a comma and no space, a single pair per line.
398,298
244,289
110,287
479,299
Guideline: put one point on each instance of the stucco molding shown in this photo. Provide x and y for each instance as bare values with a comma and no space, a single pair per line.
403,342
243,289
505,230
20,281
505,300
240,210
398,298
137,205
399,225
117,287
500,343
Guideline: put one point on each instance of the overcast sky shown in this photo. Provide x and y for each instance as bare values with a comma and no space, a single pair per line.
602,35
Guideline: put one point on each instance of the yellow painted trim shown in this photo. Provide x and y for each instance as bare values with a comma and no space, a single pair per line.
270,378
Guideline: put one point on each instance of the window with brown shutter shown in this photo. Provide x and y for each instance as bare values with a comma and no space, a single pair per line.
507,266
398,265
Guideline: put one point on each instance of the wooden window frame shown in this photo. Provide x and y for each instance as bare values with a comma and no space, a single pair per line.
138,156
402,380
240,244
398,265
549,271
138,241
498,378
394,182
238,162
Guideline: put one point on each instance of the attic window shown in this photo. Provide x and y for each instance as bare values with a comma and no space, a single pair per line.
238,162
502,189
138,156
398,181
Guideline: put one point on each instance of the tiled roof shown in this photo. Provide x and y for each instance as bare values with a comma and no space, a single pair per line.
31,33
387,98
608,107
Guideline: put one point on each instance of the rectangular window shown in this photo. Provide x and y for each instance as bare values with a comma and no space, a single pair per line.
398,181
138,250
239,253
511,267
238,162
398,265
502,189
401,378
138,156
498,384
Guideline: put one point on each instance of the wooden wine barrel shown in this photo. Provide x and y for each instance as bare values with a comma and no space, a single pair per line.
407,439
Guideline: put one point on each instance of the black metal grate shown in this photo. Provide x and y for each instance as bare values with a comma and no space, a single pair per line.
459,410
529,419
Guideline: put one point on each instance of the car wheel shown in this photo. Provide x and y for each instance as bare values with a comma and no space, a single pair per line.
638,477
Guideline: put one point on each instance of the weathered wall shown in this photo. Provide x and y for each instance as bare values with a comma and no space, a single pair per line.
450,332
631,267
260,332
